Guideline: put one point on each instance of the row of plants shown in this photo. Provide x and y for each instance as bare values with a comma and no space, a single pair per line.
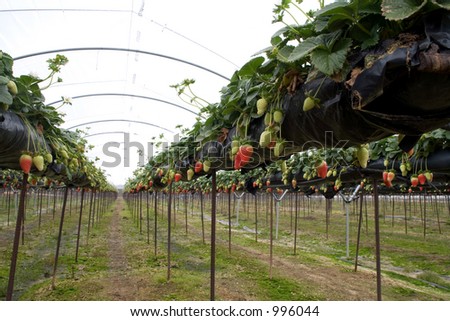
322,169
46,151
245,131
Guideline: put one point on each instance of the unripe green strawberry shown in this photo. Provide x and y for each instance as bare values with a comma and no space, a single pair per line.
283,167
64,153
74,162
261,105
429,176
308,103
38,162
265,139
267,119
190,174
206,166
234,150
277,116
408,166
12,87
278,149
363,156
403,169
49,158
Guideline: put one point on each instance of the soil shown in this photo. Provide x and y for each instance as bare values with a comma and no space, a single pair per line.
327,278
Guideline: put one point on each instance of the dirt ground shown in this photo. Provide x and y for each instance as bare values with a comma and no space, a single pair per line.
331,280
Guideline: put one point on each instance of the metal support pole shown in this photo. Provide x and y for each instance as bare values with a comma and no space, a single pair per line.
58,245
277,209
213,234
15,251
377,237
239,197
79,225
169,229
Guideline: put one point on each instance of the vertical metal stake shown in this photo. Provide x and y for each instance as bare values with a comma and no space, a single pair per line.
169,229
15,251
79,226
58,245
213,234
377,237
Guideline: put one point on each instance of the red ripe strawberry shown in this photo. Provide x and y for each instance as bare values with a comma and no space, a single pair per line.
414,180
198,167
238,161
388,183
268,183
233,188
422,178
385,176
322,169
150,183
246,152
390,176
177,177
25,162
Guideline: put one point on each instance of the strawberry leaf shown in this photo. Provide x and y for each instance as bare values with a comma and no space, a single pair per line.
251,67
330,62
5,96
401,9
284,53
442,3
304,49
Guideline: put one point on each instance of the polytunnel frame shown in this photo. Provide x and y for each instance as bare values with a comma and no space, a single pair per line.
121,49
126,95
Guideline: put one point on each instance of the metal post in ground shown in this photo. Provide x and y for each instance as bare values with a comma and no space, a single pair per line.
15,251
79,225
58,244
213,234
377,237
169,229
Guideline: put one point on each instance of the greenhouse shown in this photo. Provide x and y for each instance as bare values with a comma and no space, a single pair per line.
235,151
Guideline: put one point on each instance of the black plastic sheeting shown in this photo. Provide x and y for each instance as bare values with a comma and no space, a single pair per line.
15,137
398,92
